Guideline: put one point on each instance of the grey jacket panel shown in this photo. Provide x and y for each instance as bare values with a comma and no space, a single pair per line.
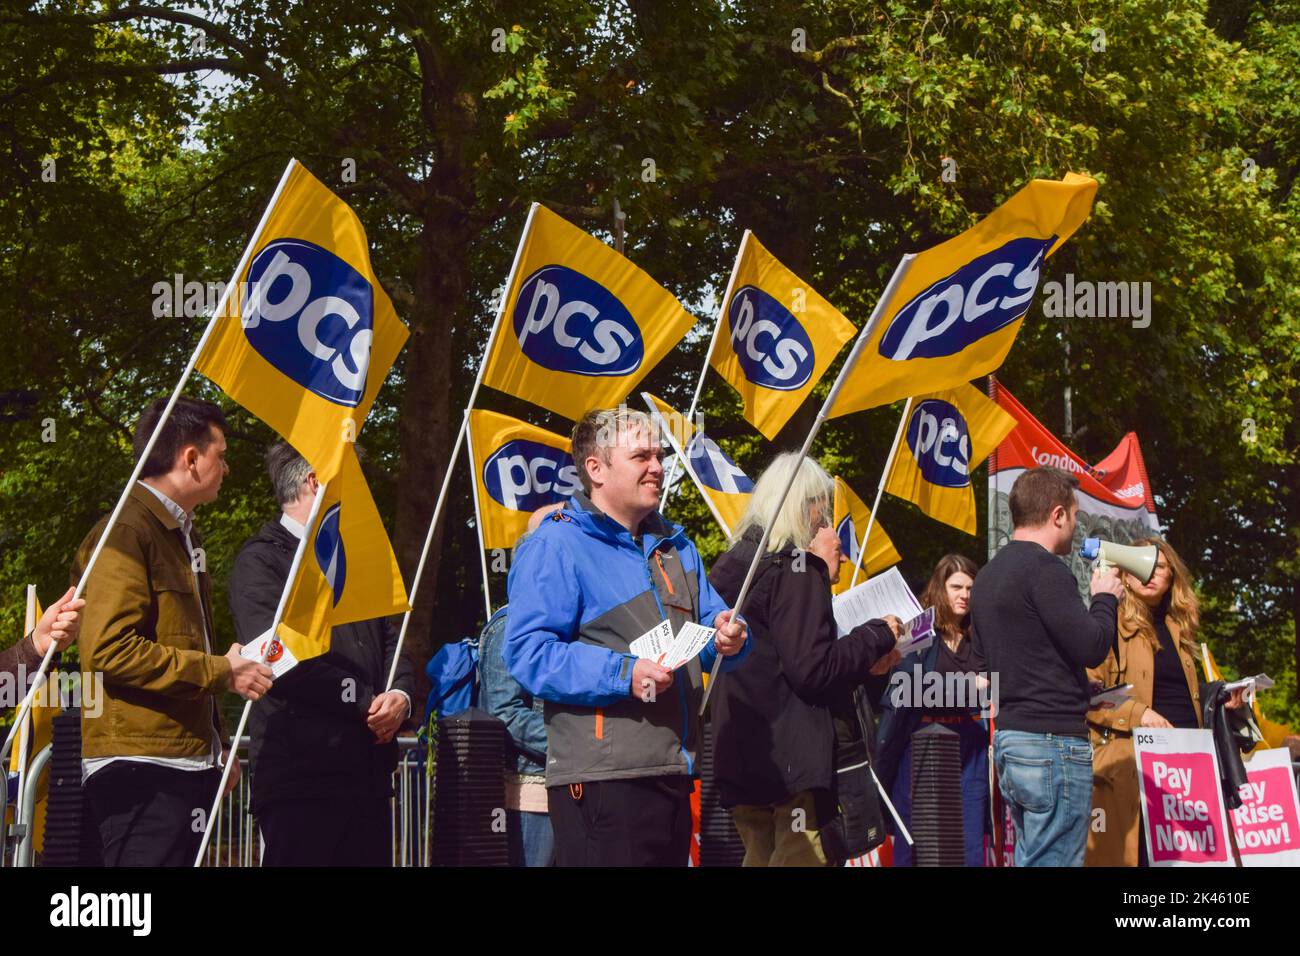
634,737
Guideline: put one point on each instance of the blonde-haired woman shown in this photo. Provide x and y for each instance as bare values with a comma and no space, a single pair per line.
1157,655
778,720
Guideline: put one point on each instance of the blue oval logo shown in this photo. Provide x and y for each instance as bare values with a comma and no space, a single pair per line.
567,322
978,299
940,443
771,346
329,553
311,315
714,469
526,475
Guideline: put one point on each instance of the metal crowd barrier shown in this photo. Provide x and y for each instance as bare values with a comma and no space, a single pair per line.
235,839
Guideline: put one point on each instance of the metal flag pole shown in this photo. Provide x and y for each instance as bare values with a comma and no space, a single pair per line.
708,357
880,490
823,413
153,438
455,451
248,705
478,524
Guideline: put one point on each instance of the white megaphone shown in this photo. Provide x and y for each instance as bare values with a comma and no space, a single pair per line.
1139,562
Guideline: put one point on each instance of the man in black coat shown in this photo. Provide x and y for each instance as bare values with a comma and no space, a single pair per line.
322,749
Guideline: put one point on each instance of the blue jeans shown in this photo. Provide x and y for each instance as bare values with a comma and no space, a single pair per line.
1046,780
530,838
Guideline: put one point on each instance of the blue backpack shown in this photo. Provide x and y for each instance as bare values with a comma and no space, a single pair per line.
453,674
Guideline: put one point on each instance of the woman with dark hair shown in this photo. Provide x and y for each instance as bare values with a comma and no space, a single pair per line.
948,592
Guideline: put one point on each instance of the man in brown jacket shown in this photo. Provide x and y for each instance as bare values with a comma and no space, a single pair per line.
149,761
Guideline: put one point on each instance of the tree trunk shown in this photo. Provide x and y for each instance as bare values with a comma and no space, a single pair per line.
428,424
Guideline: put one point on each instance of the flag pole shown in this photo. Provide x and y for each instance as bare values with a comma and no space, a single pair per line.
478,524
681,454
880,489
823,413
708,357
153,438
248,704
25,734
455,452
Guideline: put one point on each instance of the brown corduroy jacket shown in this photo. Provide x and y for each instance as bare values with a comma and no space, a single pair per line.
1114,831
143,629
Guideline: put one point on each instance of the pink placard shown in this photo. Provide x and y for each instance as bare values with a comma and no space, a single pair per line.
1184,808
1267,824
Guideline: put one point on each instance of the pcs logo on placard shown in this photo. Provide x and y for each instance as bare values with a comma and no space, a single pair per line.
311,315
568,322
329,553
940,443
525,475
984,295
771,346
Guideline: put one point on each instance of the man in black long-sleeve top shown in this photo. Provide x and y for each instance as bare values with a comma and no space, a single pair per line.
1034,638
322,748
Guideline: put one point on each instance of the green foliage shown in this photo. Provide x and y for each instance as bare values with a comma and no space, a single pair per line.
831,153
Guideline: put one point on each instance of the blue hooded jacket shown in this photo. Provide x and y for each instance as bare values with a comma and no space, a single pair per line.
581,590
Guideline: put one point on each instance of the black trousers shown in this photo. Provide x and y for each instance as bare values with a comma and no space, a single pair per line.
344,829
149,815
640,822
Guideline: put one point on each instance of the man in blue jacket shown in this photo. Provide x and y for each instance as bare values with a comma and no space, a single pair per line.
622,732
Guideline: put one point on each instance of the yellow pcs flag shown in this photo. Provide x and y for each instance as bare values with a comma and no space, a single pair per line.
725,487
348,573
851,518
949,434
308,335
956,309
517,469
580,325
778,338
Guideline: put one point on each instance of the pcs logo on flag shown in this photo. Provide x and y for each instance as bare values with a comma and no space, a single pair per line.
848,535
329,553
714,469
311,315
568,322
984,295
940,443
525,475
771,346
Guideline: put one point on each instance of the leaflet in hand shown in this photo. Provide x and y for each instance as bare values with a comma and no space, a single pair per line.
652,644
1111,697
1261,682
278,657
918,633
659,645
886,593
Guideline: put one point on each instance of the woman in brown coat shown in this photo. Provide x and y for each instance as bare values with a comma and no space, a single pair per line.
1157,655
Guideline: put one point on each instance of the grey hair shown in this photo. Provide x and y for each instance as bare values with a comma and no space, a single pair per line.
288,470
812,489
